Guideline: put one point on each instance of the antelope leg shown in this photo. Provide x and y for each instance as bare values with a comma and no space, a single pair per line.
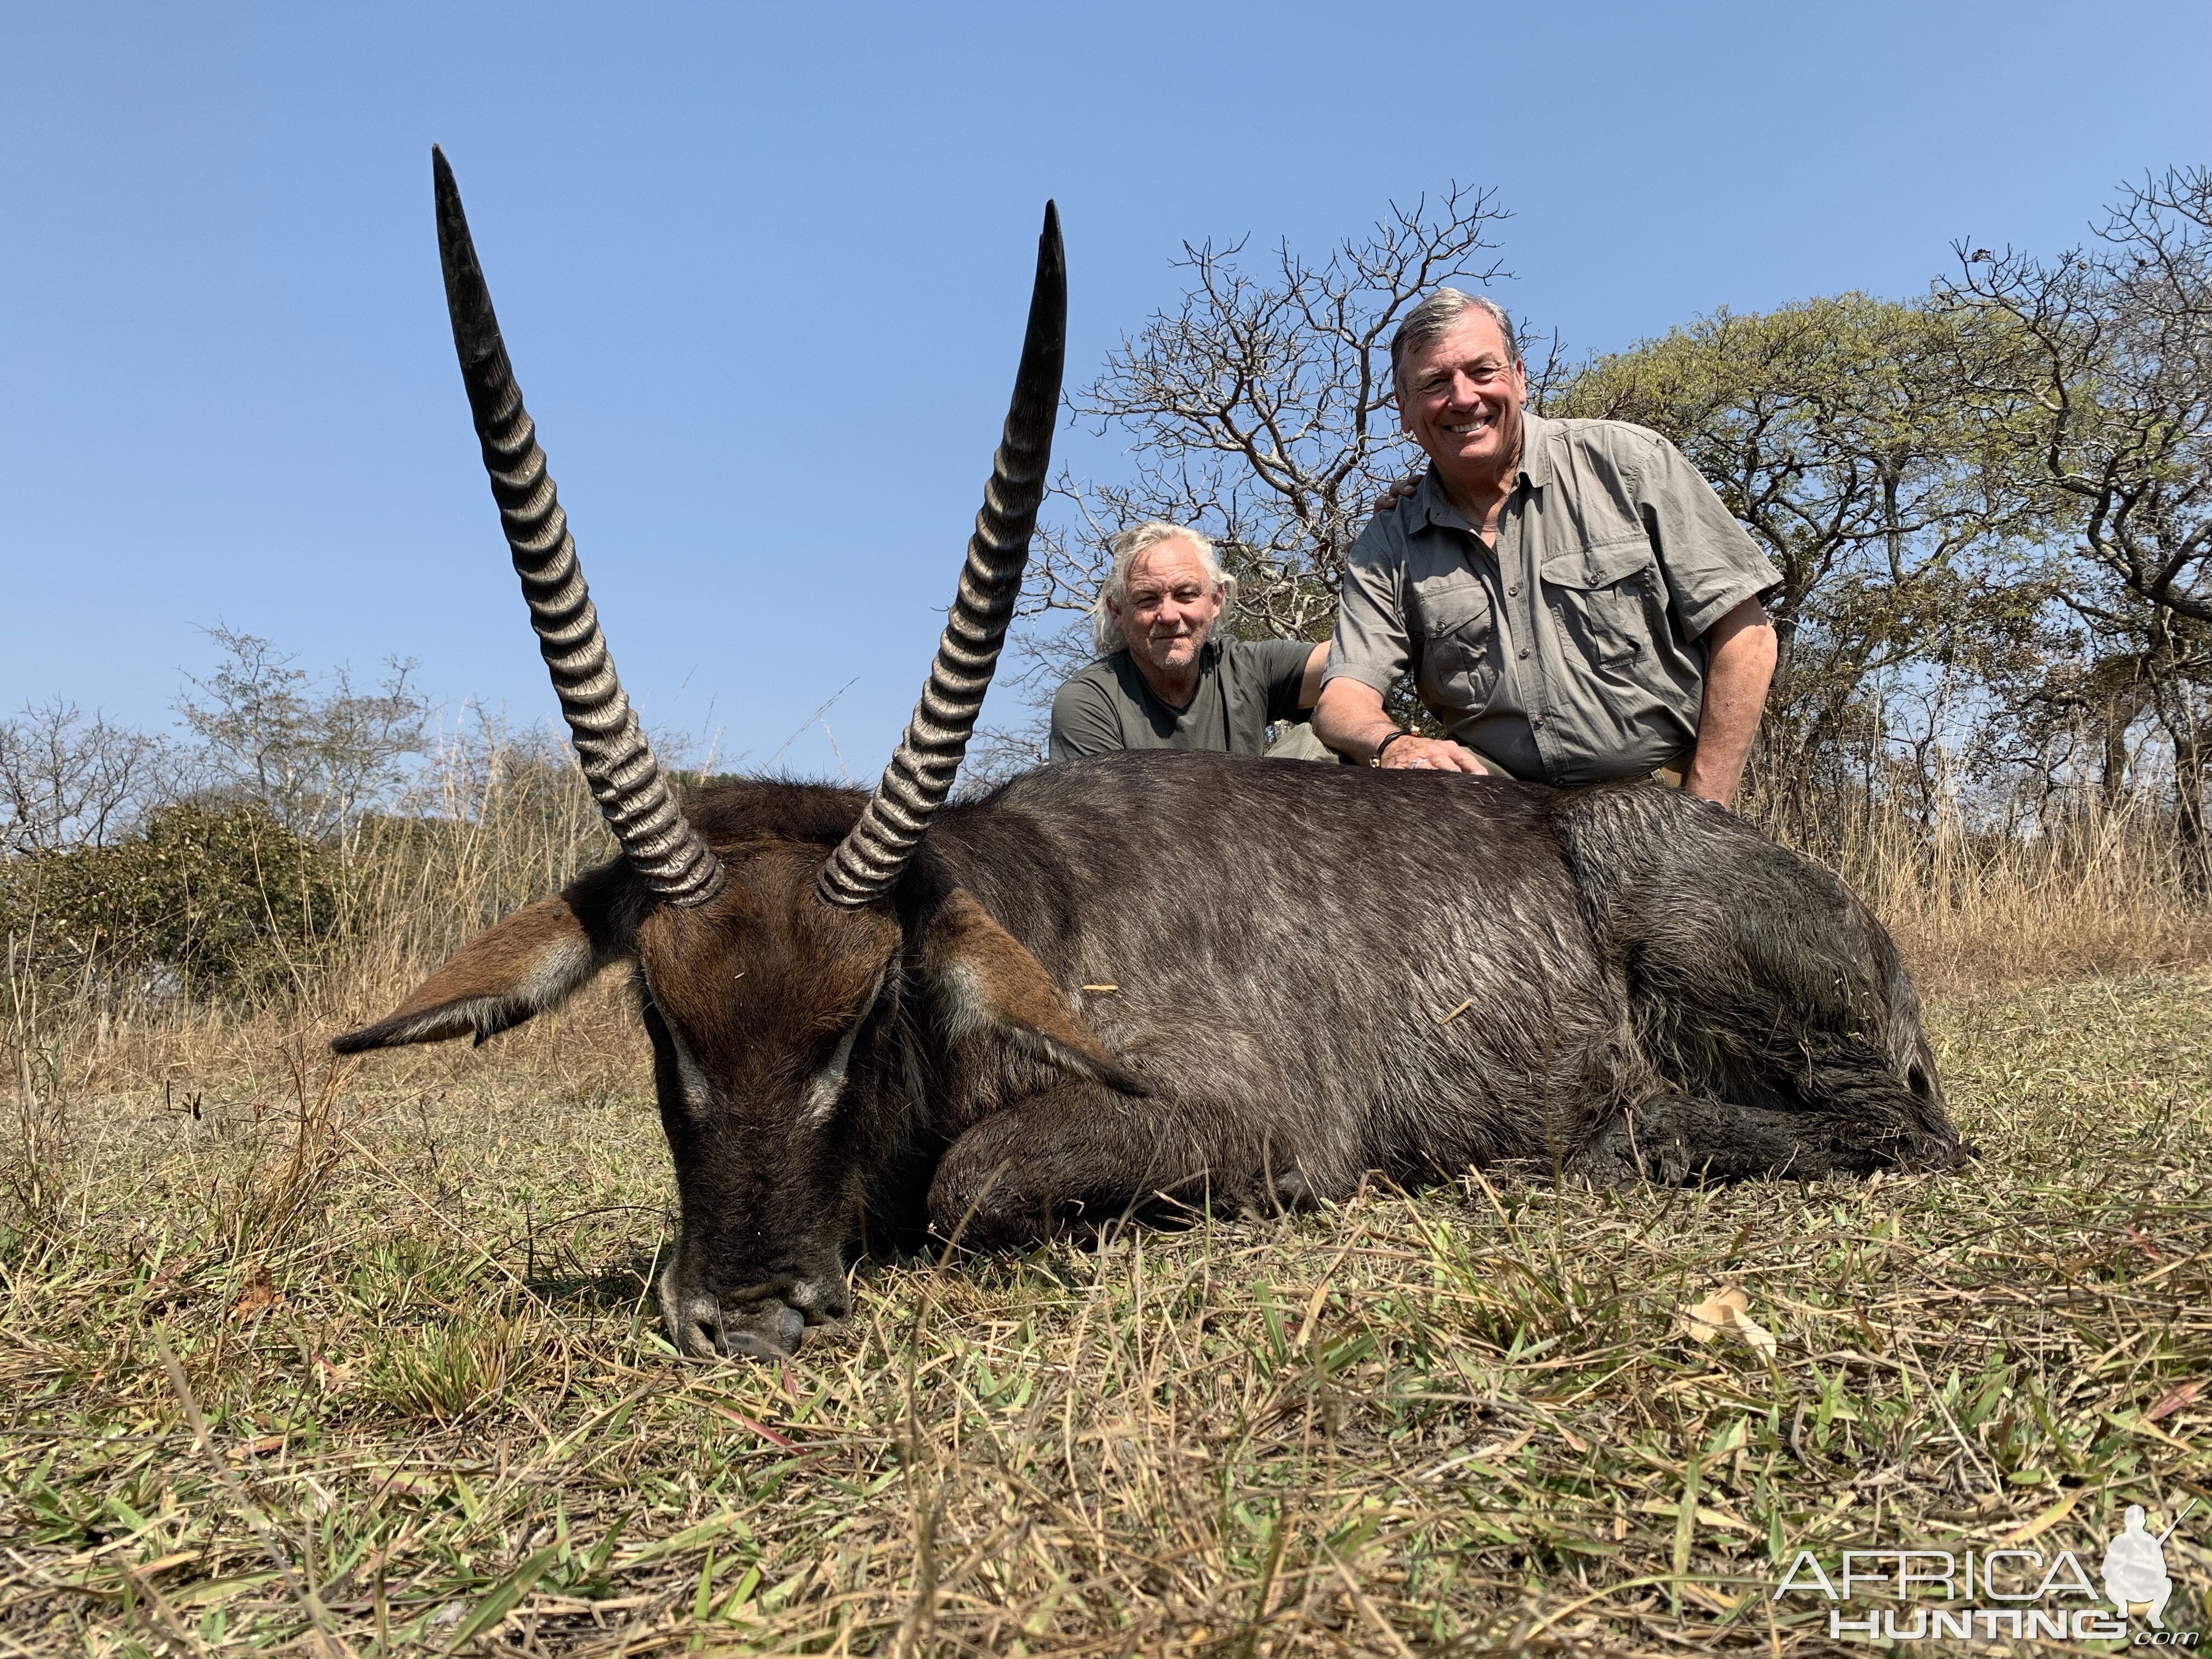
1079,1157
1675,1138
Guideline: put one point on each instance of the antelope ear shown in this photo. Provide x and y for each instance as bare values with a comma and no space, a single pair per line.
995,981
532,961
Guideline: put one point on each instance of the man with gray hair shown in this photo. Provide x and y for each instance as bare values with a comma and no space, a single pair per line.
1572,600
1162,680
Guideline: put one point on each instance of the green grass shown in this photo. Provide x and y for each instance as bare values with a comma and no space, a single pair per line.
436,1412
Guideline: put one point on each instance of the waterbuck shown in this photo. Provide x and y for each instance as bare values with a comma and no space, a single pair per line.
1145,980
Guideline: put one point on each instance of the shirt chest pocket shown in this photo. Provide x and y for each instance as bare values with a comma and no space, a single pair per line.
1461,653
1603,596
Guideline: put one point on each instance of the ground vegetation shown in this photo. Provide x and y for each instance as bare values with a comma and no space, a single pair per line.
299,1356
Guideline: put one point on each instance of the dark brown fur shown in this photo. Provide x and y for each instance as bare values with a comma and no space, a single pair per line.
1656,992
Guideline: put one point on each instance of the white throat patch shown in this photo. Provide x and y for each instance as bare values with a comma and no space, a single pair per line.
830,1082
698,1093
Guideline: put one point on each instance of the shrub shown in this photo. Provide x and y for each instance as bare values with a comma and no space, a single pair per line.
208,900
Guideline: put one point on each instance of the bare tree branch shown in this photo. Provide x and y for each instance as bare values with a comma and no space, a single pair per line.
317,758
69,781
1261,410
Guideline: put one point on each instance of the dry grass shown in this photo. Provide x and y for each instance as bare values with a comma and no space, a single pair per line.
439,1413
2108,894
361,1361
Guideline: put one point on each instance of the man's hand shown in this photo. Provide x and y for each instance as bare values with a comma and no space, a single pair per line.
1394,494
1349,719
1432,755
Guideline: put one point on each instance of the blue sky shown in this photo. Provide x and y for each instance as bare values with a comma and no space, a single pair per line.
762,273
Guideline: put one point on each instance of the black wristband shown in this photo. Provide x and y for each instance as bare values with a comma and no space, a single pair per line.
1375,759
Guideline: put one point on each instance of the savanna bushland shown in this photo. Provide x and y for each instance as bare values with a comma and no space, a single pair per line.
361,1359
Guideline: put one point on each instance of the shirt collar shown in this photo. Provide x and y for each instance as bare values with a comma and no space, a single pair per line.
1431,506
1536,435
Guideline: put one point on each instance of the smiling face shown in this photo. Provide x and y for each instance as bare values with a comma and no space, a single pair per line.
1460,398
1172,605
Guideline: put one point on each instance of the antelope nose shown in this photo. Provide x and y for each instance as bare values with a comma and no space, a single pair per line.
767,1330
823,1302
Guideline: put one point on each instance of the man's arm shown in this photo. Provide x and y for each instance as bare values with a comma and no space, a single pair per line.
1368,652
1739,665
1716,576
1309,687
1349,719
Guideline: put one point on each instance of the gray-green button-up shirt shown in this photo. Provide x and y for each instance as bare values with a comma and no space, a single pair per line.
1569,652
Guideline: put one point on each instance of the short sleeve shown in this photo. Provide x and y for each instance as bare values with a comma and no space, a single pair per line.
1710,564
1370,644
1282,669
1083,719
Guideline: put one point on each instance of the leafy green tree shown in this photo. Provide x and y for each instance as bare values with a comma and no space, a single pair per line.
1845,435
2113,370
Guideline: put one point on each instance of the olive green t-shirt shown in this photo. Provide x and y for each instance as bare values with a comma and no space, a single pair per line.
1242,684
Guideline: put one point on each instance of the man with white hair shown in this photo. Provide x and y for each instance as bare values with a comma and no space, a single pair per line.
1573,602
1162,680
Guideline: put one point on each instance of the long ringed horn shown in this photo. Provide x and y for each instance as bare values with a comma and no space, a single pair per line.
919,776
656,838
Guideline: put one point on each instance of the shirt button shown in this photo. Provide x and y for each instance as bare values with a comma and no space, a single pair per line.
1524,656
1514,591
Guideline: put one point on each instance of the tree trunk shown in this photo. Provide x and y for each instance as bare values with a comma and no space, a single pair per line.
2189,825
2114,782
